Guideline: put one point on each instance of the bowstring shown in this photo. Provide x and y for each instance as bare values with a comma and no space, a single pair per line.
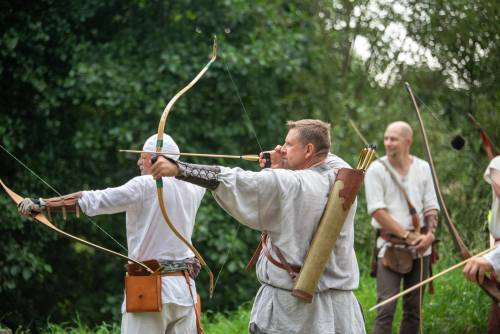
241,103
235,234
59,194
434,115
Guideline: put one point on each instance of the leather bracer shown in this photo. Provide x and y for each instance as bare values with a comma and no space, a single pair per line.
64,204
201,175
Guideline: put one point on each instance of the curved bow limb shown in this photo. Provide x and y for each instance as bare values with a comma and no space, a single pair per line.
464,252
489,286
40,217
159,182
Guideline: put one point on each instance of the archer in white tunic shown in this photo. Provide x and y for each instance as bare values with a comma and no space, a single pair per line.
383,193
288,205
149,237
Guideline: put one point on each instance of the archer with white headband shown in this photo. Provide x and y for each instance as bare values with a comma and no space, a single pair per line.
164,301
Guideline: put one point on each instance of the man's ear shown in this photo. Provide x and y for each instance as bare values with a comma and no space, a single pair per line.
310,150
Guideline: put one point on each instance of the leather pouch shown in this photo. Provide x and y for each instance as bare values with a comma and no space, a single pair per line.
398,259
143,293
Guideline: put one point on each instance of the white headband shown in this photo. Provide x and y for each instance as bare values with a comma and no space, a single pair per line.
169,146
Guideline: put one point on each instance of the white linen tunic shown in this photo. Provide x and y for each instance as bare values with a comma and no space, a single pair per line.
288,205
493,258
383,193
494,224
148,236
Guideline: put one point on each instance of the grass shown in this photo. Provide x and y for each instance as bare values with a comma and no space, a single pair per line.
79,328
227,323
457,307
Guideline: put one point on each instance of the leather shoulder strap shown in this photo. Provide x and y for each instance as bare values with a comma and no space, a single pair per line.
414,216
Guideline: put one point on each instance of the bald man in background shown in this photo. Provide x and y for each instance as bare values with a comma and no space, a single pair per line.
399,229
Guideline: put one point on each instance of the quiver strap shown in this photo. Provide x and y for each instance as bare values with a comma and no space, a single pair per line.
415,221
292,270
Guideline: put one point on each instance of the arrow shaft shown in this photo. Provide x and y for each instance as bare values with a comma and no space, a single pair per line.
430,279
249,157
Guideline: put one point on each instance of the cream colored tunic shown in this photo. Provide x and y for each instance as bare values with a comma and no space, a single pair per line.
383,193
494,224
288,206
494,259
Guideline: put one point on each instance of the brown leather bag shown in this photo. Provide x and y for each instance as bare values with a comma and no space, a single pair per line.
398,259
143,293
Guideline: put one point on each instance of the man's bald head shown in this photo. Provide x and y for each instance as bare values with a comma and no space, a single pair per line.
403,128
398,138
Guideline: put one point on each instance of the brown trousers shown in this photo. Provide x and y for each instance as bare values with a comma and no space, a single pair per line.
494,321
388,285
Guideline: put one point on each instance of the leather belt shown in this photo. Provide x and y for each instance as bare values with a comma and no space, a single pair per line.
292,270
174,273
283,264
136,270
389,237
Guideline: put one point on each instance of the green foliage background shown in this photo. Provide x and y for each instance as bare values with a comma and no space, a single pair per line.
79,80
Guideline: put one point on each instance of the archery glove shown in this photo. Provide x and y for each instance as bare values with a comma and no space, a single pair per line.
30,206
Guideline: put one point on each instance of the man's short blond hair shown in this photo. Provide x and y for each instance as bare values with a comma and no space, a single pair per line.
313,131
